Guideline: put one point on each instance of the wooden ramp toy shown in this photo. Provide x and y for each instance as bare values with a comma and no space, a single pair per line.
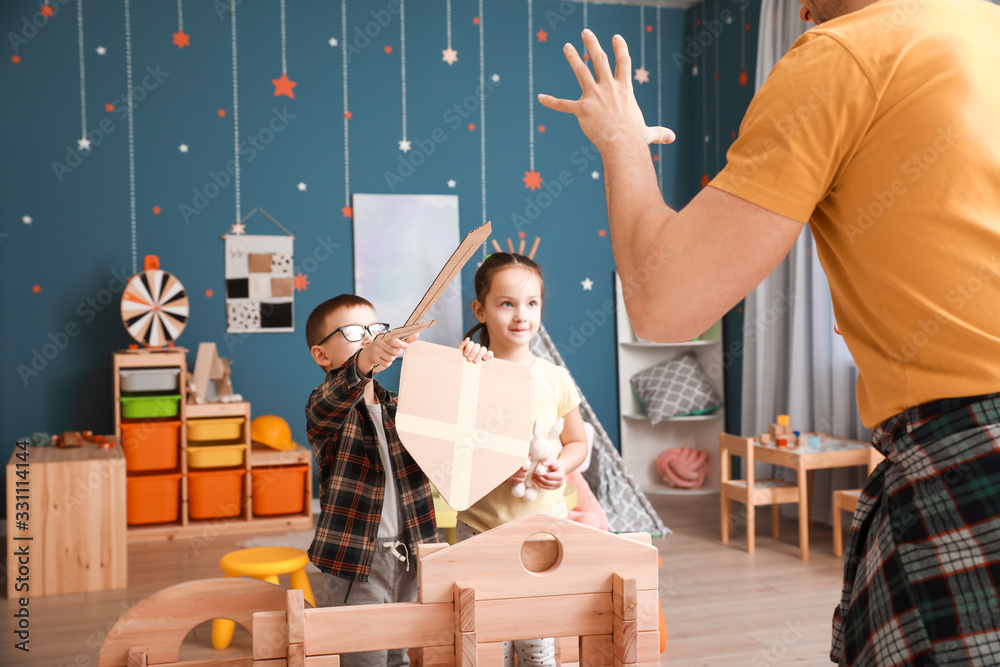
535,576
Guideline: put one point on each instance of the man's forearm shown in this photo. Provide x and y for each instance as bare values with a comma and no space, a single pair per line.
637,218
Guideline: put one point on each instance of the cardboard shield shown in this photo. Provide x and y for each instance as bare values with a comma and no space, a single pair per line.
466,425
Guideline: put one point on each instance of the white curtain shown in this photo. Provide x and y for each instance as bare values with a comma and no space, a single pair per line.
793,361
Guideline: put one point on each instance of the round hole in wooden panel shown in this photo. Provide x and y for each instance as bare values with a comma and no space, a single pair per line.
541,553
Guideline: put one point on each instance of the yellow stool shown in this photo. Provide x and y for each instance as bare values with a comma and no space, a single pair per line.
264,563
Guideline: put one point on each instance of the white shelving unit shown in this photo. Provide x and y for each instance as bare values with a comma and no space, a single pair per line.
642,442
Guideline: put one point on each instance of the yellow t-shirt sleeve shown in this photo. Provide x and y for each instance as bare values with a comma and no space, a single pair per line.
802,127
569,398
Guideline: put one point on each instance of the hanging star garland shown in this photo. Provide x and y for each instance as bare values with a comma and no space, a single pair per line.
404,144
347,211
283,85
642,74
449,55
532,179
181,38
84,142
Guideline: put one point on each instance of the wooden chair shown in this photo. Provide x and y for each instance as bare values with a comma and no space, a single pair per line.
151,633
846,500
750,491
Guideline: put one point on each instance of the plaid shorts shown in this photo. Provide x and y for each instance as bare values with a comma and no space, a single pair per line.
923,557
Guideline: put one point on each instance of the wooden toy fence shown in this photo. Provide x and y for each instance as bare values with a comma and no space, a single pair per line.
508,583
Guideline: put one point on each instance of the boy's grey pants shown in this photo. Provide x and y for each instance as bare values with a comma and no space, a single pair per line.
390,580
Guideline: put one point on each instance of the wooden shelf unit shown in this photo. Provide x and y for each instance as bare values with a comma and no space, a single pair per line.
641,441
255,456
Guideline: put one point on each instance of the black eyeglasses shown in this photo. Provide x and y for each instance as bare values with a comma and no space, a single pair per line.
355,332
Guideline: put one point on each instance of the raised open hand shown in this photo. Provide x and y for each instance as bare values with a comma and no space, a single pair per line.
607,110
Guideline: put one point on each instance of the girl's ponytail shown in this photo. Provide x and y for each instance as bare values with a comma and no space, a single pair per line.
484,333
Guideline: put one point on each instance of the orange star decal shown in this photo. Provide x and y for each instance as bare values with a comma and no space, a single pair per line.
541,128
532,180
388,49
222,113
347,211
704,180
743,78
649,28
586,56
656,158
472,127
602,232
16,59
182,39
283,86
109,107
156,210
521,235
36,288
300,282
209,293
348,115
47,10
475,20
542,36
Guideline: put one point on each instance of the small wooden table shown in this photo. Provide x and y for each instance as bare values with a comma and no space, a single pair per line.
65,520
832,453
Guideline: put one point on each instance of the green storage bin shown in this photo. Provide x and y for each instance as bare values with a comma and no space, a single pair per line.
144,407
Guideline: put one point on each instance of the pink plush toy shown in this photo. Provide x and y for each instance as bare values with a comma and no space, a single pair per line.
588,510
683,468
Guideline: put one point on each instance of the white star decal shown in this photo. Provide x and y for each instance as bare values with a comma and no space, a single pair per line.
301,187
588,284
642,75
694,71
404,145
496,78
101,50
594,175
238,228
84,144
333,41
707,138
449,55
27,219
451,183
183,148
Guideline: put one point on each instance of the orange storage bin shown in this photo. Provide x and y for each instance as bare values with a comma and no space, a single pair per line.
151,445
279,489
214,494
153,498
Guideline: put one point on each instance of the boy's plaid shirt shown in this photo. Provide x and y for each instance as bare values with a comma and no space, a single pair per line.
352,479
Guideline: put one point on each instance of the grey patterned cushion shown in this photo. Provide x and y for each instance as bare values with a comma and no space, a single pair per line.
675,388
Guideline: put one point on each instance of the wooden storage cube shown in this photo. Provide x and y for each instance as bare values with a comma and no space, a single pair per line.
154,498
279,490
218,428
214,494
75,533
151,445
211,455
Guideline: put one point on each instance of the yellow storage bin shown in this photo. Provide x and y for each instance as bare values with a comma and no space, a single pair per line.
216,456
215,428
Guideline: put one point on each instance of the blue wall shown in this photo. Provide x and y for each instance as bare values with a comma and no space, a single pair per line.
61,276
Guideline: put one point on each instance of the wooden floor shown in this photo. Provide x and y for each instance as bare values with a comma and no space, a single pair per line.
723,606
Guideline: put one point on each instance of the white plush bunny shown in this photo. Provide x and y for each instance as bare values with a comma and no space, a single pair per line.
540,448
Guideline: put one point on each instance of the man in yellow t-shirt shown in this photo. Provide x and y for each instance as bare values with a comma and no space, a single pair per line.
878,129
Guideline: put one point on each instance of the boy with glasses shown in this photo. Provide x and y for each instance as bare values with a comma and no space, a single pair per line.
376,503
